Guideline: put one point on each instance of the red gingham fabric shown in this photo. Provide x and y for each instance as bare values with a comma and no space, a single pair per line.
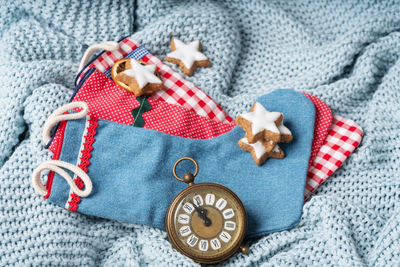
108,101
344,136
107,59
180,92
323,120
177,90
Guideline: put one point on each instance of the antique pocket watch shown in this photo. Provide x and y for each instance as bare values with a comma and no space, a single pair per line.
206,221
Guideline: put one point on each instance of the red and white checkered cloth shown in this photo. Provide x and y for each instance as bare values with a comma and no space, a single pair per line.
107,59
177,90
343,137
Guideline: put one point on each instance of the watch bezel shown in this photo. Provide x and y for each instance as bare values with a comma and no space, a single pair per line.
177,244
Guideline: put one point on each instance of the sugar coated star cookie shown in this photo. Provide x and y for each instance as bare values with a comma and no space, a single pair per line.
187,56
263,130
140,79
258,152
260,124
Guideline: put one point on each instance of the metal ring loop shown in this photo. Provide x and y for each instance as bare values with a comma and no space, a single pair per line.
181,159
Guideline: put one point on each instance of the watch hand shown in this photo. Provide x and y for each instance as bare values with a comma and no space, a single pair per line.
201,210
202,213
207,221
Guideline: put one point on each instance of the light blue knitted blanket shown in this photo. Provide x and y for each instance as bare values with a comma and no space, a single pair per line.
346,53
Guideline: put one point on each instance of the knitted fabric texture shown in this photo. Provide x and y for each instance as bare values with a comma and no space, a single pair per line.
345,53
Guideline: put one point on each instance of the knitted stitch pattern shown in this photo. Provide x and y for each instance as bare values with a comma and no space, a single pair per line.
346,53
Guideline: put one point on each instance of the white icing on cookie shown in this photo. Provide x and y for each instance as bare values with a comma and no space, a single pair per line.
259,149
262,119
143,74
283,129
187,53
275,149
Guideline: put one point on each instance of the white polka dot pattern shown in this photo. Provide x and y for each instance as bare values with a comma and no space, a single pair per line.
177,90
108,101
323,120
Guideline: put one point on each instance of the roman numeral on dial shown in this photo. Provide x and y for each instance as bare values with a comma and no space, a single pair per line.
203,245
229,225
192,240
188,208
215,243
221,203
198,200
225,236
185,231
210,199
228,213
183,219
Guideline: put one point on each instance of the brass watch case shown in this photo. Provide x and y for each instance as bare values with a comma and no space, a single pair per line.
174,239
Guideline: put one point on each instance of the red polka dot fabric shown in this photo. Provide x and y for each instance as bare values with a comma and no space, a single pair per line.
57,140
333,143
177,90
108,101
323,120
186,111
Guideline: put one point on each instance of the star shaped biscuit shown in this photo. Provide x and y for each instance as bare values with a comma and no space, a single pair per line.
187,56
263,130
258,152
141,79
260,124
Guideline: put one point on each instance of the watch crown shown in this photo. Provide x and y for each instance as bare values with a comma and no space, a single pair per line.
188,178
244,249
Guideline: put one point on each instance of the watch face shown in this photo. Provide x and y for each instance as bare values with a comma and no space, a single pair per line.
208,221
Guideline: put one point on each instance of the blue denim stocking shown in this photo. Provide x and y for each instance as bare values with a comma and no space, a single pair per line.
131,169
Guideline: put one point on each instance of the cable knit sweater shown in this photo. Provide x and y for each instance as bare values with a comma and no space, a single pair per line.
346,53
